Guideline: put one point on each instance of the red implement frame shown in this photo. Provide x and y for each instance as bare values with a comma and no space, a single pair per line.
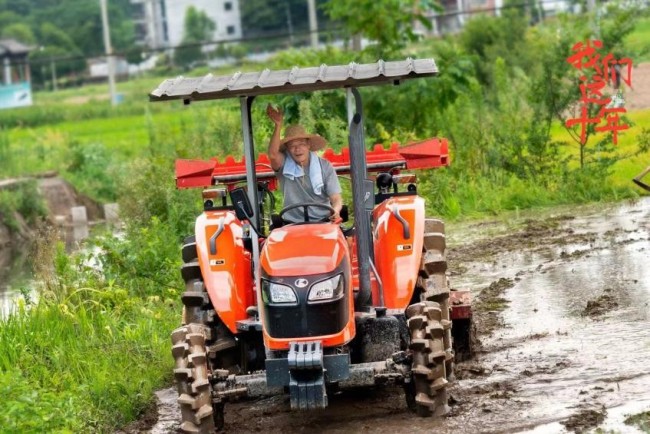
461,304
427,154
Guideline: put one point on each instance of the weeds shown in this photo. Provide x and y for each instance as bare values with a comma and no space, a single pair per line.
641,420
20,205
95,344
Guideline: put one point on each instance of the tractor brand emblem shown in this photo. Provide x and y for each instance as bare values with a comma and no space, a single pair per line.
402,247
217,261
301,283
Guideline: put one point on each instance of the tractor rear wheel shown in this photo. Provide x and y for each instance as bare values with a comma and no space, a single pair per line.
426,393
433,282
192,374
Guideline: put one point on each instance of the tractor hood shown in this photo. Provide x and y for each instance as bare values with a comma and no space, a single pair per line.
304,249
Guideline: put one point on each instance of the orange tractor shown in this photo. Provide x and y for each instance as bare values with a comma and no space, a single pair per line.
305,308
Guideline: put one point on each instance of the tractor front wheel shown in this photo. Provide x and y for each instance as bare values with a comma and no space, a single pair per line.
192,374
426,393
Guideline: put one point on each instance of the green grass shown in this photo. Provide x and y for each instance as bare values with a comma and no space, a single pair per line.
88,356
22,199
641,420
43,148
98,363
639,41
623,170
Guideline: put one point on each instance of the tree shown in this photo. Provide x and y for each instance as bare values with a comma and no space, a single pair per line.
20,32
56,37
8,17
390,23
261,17
595,149
198,28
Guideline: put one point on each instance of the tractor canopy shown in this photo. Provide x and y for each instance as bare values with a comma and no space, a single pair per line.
246,86
268,82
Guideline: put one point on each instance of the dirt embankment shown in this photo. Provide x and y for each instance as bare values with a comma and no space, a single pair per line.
638,97
59,196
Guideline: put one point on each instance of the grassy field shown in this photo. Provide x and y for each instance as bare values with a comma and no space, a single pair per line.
639,41
626,169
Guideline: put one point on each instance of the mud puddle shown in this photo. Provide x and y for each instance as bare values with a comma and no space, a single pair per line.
564,325
575,341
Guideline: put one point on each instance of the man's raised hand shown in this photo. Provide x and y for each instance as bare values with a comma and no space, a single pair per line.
274,114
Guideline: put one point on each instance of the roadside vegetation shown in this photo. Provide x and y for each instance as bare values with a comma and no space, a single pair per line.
21,206
89,353
641,420
86,353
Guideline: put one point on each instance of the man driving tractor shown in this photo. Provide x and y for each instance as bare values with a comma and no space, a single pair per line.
304,176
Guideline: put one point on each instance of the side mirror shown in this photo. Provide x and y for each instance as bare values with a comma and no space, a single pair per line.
243,208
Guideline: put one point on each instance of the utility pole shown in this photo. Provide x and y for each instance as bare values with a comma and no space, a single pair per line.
313,23
53,73
289,23
110,60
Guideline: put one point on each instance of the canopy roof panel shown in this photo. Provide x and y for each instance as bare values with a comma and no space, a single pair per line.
292,80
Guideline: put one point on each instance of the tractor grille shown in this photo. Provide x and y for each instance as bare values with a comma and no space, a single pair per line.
306,320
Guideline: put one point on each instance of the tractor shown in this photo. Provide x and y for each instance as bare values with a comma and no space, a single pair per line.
313,307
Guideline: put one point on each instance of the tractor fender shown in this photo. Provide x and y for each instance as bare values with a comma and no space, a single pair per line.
398,241
225,265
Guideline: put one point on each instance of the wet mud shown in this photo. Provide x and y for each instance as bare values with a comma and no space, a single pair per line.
562,306
584,420
601,305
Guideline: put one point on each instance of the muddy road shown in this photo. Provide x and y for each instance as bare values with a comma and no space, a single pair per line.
563,316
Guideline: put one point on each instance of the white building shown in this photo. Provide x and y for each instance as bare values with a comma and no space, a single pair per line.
160,23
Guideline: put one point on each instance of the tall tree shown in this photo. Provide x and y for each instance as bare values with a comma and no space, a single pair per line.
198,28
390,23
263,17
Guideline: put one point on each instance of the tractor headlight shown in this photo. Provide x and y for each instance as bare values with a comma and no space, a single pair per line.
326,289
281,293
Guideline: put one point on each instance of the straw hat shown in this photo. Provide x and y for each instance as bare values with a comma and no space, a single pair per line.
294,132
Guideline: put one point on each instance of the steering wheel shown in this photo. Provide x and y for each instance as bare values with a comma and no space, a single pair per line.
305,206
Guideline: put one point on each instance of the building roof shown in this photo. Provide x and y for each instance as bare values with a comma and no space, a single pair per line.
11,47
292,80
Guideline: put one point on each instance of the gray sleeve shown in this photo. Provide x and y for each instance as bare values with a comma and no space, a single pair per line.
330,179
